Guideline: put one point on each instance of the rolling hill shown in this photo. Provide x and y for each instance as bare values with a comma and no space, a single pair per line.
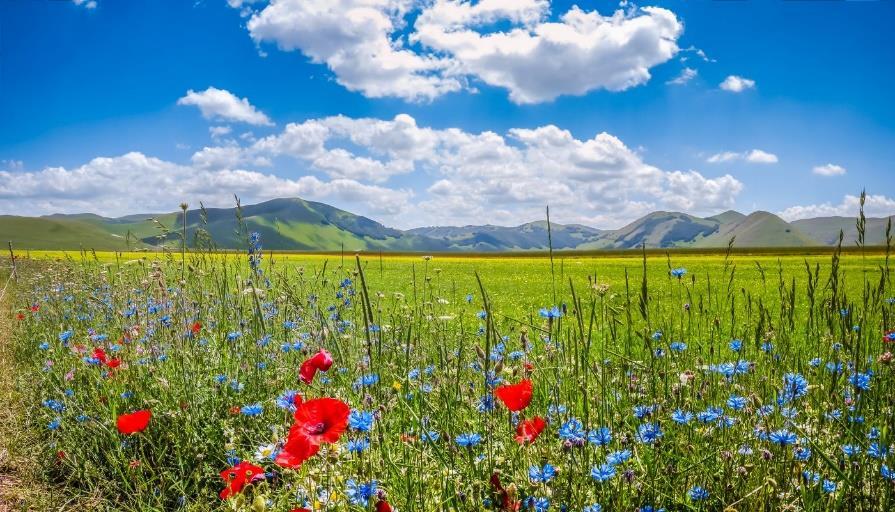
296,224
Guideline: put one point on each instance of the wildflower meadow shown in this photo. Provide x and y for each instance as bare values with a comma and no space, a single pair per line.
200,380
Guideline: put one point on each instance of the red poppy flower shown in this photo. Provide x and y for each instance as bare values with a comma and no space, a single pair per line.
134,422
35,308
297,449
113,363
529,430
297,400
383,506
100,354
20,316
515,396
320,361
238,476
196,327
321,420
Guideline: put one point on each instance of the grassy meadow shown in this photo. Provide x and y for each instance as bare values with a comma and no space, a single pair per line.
658,381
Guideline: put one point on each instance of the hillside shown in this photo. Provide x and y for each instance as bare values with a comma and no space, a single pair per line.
758,229
826,229
296,224
530,236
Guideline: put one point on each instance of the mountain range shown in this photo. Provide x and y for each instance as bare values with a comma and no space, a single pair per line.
296,224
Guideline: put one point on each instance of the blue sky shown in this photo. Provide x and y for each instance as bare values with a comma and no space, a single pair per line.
95,113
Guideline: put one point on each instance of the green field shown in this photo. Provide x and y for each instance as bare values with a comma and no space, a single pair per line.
629,347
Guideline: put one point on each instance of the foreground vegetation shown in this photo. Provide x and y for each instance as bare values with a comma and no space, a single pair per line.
678,382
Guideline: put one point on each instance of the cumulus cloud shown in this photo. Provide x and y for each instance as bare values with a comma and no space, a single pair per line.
755,156
459,177
133,183
220,104
875,206
735,83
87,4
828,170
370,48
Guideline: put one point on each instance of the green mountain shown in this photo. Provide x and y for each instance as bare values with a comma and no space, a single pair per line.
531,236
758,229
296,224
826,229
284,224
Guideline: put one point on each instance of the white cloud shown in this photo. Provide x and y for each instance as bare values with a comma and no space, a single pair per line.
874,206
735,83
686,75
459,177
828,170
219,131
755,156
539,60
221,104
136,183
369,47
87,4
354,38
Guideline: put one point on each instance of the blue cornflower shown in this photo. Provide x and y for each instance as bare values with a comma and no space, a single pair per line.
618,457
596,507
553,312
571,430
829,486
287,400
801,453
54,405
360,493
252,409
737,403
678,346
682,417
641,411
851,450
649,433
782,437
362,421
430,436
366,380
232,336
486,404
44,346
542,474
876,451
55,424
468,440
600,437
678,272
794,386
834,367
710,415
357,445
886,472
736,345
602,473
65,336
537,504
697,493
860,381
814,363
